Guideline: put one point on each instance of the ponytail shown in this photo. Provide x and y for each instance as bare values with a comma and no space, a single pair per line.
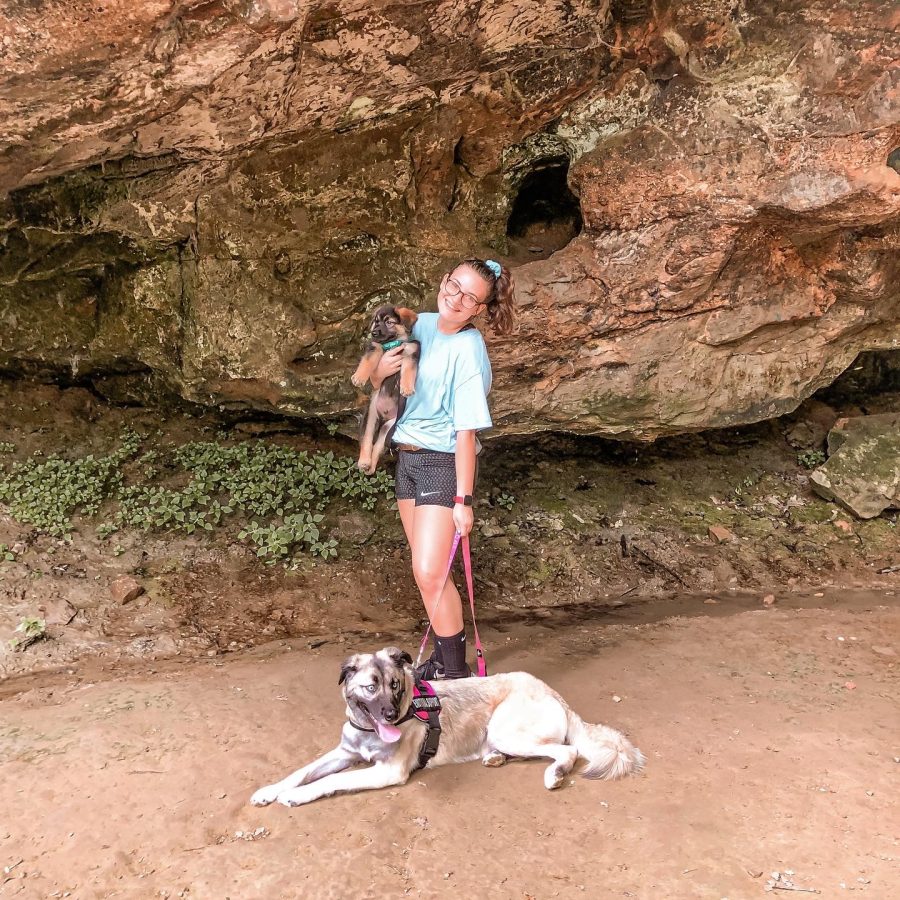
502,298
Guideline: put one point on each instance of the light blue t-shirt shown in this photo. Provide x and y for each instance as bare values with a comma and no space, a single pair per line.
452,385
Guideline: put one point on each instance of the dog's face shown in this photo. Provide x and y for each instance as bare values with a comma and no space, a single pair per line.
378,688
392,323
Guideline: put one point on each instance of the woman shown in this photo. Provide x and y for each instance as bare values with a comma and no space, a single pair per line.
436,439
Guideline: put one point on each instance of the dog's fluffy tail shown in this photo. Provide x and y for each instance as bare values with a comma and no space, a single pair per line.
608,752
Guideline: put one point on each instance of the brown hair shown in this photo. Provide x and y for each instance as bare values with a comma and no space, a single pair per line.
501,300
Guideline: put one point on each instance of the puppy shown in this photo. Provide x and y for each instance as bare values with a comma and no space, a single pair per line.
491,719
391,327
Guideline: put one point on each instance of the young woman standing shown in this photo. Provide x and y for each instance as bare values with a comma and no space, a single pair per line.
437,443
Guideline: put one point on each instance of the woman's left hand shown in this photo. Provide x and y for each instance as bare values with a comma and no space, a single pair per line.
463,519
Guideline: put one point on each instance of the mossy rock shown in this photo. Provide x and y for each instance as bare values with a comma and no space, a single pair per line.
863,472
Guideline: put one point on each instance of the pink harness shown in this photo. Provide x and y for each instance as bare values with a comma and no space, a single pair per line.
426,707
424,700
467,560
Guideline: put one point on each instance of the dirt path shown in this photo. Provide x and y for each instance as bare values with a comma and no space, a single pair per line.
771,736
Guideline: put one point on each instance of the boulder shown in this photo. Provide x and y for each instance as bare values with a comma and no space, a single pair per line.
862,473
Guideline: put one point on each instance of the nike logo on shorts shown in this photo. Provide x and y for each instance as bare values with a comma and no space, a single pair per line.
429,494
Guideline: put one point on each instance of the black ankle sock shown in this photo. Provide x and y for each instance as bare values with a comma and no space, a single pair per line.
453,653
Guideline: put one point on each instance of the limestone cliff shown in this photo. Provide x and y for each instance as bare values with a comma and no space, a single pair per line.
701,198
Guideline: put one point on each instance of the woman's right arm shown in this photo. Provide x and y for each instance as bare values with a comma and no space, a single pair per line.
388,365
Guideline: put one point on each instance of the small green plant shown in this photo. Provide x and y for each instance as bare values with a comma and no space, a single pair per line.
324,549
332,428
811,459
47,493
7,447
274,542
743,487
32,629
507,501
283,493
6,553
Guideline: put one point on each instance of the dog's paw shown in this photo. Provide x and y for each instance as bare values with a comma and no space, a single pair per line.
357,380
407,391
265,796
493,759
554,777
365,465
295,797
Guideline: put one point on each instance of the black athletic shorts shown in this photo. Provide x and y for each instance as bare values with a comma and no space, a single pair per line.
428,477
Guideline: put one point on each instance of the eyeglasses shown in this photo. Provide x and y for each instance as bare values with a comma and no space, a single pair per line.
453,289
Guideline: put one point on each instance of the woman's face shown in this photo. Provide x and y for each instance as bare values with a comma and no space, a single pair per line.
462,295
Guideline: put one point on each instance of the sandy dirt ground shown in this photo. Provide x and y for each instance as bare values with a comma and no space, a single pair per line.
772,737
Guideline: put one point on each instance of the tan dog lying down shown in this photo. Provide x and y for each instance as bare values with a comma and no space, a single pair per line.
491,719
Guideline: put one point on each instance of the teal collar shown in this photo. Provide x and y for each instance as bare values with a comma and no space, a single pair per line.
390,345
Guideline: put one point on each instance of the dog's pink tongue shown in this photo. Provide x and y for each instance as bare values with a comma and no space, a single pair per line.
390,734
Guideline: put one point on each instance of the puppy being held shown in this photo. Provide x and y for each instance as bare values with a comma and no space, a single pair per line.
391,327
491,719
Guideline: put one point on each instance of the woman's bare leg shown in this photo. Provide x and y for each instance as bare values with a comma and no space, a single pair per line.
430,531
433,532
407,514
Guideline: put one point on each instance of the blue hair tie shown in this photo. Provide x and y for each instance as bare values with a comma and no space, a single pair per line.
494,266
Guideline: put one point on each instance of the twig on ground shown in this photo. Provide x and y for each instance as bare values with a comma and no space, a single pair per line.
8,869
662,566
791,887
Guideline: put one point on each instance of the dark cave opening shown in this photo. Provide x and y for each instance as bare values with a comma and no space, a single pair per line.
545,214
893,159
873,374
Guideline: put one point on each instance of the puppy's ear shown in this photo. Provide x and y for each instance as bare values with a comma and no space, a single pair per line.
406,316
348,668
398,656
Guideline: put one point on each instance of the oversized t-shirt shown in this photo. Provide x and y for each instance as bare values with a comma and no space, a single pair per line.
452,385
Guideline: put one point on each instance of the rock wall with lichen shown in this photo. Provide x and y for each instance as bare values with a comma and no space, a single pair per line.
700,198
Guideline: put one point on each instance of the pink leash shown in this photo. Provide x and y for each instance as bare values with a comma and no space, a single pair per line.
467,561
